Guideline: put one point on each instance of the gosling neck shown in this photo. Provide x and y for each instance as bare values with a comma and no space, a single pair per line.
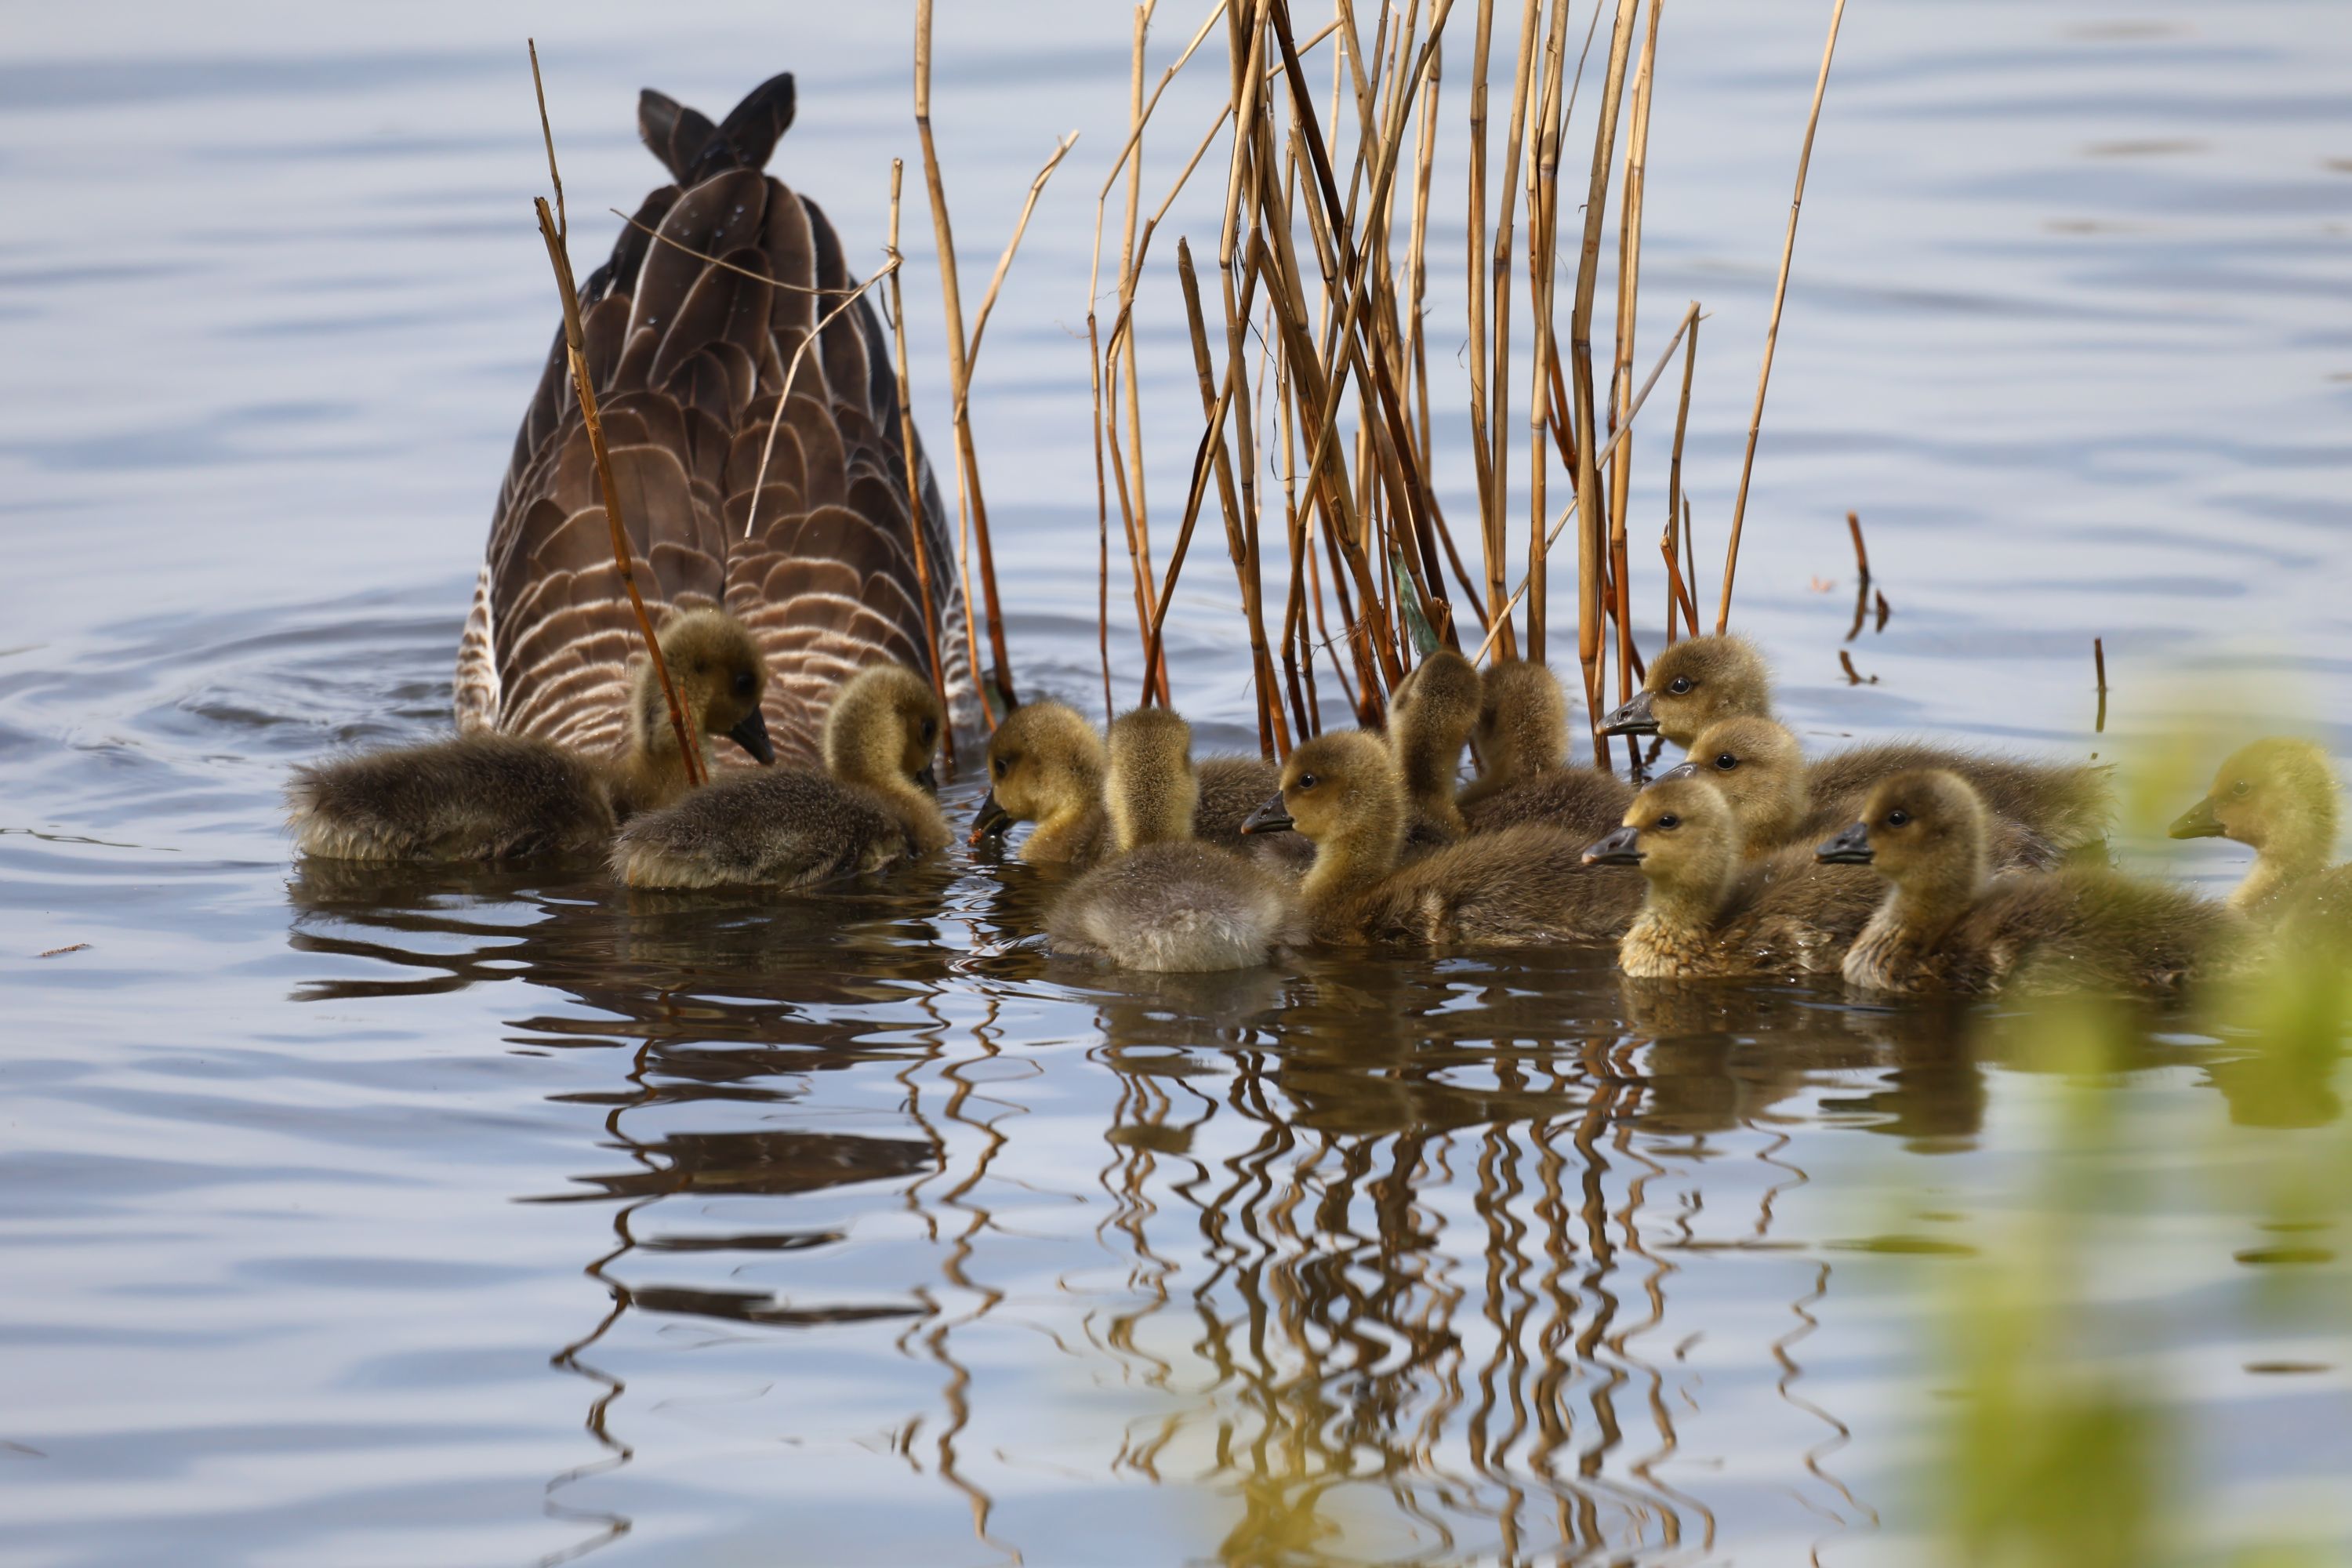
1927,904
868,768
652,771
1429,769
1062,834
1145,810
1359,854
2295,850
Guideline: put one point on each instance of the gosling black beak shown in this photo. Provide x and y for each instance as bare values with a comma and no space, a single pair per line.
1849,847
1680,770
928,778
1623,848
1634,718
990,819
2196,822
751,734
1271,817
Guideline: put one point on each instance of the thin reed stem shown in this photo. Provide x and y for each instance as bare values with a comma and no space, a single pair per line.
972,508
1772,331
1629,289
556,232
914,477
1675,504
1569,510
1590,502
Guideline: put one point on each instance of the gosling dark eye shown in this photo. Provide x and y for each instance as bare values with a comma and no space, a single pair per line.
1680,685
1668,822
930,729
745,684
1897,818
1307,781
2243,788
1726,762
1004,766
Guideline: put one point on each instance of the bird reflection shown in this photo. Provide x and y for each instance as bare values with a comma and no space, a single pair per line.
1405,1256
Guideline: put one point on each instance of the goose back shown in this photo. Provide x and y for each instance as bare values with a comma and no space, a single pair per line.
800,523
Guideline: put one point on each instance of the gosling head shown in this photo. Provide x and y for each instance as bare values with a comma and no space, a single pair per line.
1043,762
1342,787
1925,832
720,675
1522,719
884,730
1691,685
1682,834
2276,795
1150,790
1761,770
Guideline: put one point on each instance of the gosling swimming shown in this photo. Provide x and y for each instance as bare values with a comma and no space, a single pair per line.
1948,924
2278,796
1516,887
1701,680
793,826
1712,909
1167,902
487,796
1525,775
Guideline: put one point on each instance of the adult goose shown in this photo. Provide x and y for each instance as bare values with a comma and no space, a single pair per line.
799,525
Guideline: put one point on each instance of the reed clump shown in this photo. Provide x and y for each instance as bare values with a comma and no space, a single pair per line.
1308,321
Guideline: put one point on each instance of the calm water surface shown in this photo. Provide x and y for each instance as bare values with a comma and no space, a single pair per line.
496,1218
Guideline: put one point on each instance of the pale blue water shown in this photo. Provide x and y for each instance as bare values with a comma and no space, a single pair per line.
487,1218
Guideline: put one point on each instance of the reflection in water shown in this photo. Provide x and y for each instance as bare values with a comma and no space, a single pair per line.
1396,1249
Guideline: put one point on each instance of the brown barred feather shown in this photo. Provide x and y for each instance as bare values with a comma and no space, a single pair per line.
688,359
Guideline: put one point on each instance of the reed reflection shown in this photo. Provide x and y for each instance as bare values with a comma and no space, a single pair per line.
1403,1252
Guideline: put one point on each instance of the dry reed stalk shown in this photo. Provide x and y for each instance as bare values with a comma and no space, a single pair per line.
1407,485
1543,222
791,374
1475,254
1498,397
1138,547
1588,269
914,478
658,238
1239,501
1641,397
971,508
1417,258
1128,269
1294,629
1861,580
2099,662
556,231
1772,331
1621,380
1675,504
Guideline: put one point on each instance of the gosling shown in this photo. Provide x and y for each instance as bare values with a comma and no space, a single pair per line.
792,826
1761,770
1517,887
1700,680
1713,910
1167,902
1525,775
2278,796
493,797
1948,924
